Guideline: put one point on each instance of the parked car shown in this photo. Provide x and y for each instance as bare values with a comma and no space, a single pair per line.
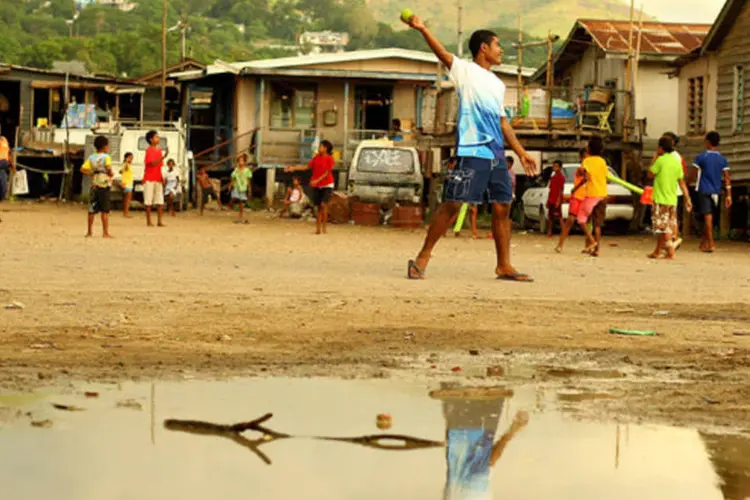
620,208
385,173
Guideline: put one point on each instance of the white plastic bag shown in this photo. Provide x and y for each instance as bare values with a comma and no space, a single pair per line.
20,183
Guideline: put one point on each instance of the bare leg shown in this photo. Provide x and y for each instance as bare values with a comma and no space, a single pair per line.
598,240
659,248
148,216
171,205
159,214
318,220
241,213
709,233
474,213
565,231
126,204
501,232
91,226
324,218
589,238
105,225
438,226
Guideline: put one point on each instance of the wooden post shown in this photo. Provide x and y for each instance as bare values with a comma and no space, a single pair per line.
460,38
724,219
163,60
550,80
628,78
49,106
520,64
117,107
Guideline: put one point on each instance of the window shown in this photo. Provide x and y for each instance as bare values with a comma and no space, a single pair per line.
292,106
695,105
738,101
143,145
386,161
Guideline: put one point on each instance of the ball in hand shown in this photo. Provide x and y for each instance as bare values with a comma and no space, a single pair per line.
406,14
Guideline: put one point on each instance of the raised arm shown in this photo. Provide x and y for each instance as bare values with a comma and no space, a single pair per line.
529,164
519,422
438,48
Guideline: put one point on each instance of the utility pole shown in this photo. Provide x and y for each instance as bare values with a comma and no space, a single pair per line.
520,65
163,59
460,50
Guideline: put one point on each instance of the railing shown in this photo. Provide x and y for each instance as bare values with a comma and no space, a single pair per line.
297,146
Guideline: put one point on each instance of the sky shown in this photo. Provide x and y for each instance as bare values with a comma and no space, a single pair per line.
689,11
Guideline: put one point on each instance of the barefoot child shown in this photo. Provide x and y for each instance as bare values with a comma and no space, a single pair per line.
153,180
240,185
207,189
172,186
321,181
666,171
576,198
555,197
594,207
127,183
98,166
713,168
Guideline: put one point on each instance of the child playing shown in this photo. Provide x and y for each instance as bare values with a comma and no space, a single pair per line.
321,181
293,200
666,171
127,183
153,181
577,195
594,207
240,185
172,186
555,197
98,166
713,168
207,189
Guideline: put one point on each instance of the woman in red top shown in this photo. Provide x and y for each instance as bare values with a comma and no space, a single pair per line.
321,181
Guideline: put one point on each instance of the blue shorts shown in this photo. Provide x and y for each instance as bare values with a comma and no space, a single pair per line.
706,203
128,189
476,180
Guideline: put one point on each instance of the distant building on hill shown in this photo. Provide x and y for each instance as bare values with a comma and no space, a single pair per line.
123,5
322,42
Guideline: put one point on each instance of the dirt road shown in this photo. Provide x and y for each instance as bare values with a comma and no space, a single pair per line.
206,296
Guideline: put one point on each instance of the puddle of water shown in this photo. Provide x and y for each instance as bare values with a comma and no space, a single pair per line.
127,452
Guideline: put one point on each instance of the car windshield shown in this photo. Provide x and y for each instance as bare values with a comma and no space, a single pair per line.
386,160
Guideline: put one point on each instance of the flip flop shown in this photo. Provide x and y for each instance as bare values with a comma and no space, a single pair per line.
558,249
418,274
518,277
677,244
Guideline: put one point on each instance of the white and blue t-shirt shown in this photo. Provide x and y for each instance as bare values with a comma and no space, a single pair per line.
711,166
481,97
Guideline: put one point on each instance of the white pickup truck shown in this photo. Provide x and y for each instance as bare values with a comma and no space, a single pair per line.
384,172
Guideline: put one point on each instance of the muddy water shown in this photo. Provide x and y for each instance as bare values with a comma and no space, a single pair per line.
118,446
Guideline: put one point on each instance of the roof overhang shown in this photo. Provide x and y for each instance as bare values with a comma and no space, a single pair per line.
722,25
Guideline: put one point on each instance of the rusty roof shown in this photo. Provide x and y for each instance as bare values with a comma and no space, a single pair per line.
656,38
665,42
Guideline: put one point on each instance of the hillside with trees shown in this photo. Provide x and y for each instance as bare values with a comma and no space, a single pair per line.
110,41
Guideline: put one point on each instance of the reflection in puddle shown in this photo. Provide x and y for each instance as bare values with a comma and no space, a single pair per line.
322,442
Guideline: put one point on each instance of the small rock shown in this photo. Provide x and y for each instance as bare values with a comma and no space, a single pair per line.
384,421
495,371
130,404
661,313
16,305
456,369
42,424
474,352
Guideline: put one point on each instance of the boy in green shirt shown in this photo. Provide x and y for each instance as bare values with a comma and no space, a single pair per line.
666,171
240,186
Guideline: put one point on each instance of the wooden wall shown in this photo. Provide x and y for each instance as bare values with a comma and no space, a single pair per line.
735,50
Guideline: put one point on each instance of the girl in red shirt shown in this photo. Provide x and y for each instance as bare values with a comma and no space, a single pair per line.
321,181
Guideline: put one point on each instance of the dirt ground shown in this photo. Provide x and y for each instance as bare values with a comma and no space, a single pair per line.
205,297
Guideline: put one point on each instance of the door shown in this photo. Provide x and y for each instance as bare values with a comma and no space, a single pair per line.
373,109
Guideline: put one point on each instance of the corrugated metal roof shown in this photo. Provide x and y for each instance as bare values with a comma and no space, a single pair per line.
656,38
340,57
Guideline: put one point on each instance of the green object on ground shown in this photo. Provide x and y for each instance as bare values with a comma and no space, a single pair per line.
461,218
639,333
406,15
637,190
